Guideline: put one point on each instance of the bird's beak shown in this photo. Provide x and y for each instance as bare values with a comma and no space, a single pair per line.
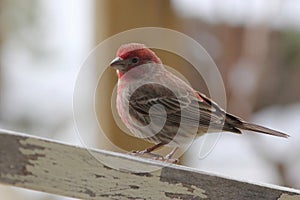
117,63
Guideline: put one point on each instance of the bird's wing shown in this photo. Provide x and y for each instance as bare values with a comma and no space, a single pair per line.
217,111
186,107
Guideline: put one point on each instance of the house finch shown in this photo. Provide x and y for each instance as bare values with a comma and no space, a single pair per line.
159,107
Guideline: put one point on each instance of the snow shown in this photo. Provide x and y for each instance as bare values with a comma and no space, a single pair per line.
38,87
37,83
278,14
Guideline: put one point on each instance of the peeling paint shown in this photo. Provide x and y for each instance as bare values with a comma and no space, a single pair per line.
289,197
65,167
89,192
71,171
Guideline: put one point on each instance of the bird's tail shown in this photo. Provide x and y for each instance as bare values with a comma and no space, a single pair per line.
236,123
260,129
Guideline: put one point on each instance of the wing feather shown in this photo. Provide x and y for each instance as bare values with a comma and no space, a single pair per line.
185,107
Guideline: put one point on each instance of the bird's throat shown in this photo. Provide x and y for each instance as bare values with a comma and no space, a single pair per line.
120,73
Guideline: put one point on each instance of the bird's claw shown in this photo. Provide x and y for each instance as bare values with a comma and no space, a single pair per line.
168,158
141,153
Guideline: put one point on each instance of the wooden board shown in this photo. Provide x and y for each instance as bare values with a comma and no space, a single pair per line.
53,167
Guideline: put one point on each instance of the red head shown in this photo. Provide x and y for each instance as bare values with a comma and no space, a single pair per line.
132,55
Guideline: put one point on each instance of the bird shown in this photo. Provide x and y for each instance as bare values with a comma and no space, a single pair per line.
159,107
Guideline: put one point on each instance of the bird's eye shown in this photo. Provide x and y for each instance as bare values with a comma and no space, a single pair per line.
135,60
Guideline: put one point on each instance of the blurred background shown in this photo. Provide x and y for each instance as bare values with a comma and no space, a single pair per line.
255,44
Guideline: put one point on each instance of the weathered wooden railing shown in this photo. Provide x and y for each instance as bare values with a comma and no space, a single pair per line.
62,169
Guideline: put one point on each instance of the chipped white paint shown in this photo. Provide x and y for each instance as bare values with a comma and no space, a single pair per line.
53,159
109,184
62,169
289,197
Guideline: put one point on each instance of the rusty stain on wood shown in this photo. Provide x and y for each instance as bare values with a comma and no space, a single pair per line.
62,169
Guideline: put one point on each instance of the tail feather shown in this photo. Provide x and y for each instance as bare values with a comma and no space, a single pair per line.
234,123
261,129
238,123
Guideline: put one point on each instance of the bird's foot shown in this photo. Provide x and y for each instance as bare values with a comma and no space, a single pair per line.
145,152
170,155
168,158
